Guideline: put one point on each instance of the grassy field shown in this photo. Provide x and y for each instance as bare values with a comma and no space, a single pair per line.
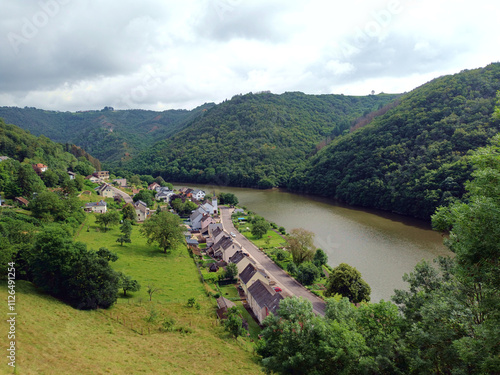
135,336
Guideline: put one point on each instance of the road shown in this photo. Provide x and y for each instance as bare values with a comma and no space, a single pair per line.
127,198
288,282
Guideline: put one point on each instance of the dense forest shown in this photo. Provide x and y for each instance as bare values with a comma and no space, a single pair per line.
411,159
109,135
254,140
17,176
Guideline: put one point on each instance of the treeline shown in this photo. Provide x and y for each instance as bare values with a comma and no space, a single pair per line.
109,135
446,322
253,140
410,160
17,176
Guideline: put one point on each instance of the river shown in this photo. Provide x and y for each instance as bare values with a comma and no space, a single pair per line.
382,246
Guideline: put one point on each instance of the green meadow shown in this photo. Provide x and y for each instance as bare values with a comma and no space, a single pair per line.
162,336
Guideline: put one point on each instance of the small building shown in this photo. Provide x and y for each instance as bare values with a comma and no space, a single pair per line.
223,304
121,182
105,190
198,194
22,201
40,168
72,175
263,300
154,186
3,158
213,267
103,175
93,179
142,211
100,207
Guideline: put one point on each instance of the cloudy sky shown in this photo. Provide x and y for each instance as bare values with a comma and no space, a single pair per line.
87,54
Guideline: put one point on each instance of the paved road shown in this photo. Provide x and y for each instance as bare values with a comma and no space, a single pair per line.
127,198
272,268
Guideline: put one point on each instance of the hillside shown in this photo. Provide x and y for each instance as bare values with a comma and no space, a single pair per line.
254,140
109,135
411,159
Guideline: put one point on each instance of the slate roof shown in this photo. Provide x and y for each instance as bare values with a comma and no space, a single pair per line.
265,296
236,258
247,273
224,303
96,204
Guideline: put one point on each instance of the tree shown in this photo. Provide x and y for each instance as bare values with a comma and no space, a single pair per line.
28,181
320,258
106,254
346,281
145,195
164,229
152,289
307,273
228,198
231,271
135,180
128,213
67,270
300,244
123,239
128,284
260,228
233,322
109,218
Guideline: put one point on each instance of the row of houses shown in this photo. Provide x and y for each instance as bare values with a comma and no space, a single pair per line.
259,290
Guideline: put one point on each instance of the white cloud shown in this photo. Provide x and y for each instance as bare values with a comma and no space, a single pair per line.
72,55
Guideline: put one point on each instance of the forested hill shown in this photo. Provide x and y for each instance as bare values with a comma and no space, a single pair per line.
411,159
109,135
254,140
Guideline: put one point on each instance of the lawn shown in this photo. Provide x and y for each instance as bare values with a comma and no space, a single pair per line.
275,240
53,338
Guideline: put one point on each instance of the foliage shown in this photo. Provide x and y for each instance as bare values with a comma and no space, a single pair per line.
260,228
233,322
412,159
128,212
69,271
128,284
320,258
228,198
107,219
307,273
56,206
231,271
346,281
300,245
164,229
145,195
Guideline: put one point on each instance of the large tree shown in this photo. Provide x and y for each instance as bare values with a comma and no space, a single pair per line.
164,229
346,281
260,228
301,245
109,218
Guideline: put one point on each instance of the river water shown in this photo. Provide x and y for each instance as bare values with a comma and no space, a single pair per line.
382,246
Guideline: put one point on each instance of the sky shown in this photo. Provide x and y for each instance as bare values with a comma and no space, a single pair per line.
71,55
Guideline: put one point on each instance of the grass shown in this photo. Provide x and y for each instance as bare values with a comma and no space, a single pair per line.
53,338
275,240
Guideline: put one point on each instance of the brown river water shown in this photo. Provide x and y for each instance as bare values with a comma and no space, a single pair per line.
381,245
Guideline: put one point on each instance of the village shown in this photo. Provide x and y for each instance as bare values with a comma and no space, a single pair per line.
207,238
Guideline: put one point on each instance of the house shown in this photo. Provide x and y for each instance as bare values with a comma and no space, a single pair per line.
154,186
164,195
40,168
72,175
192,242
210,208
213,227
241,260
230,251
93,179
105,190
263,300
205,222
142,211
121,182
198,194
135,191
22,201
103,175
217,250
196,217
223,304
251,274
3,158
97,207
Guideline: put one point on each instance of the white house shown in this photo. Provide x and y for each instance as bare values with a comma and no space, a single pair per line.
98,207
198,194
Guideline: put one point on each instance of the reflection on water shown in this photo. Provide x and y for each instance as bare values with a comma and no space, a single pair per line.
382,246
